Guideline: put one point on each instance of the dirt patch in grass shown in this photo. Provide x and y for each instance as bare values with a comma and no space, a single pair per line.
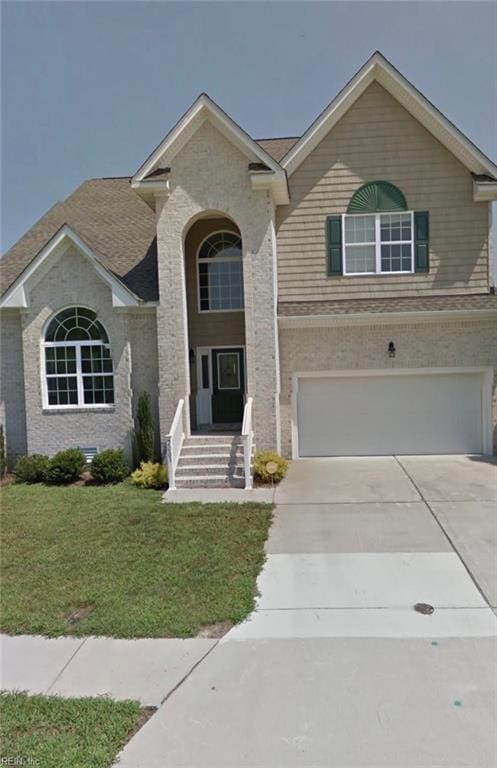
218,629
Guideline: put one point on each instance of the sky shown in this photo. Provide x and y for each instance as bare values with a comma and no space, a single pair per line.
89,89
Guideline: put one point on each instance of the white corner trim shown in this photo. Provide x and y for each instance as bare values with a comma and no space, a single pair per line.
385,318
379,69
484,191
17,297
202,109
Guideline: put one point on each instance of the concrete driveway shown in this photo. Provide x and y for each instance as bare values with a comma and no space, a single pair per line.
335,669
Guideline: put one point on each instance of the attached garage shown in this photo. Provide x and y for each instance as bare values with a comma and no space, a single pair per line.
371,413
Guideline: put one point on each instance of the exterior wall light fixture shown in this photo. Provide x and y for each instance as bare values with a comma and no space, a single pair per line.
391,349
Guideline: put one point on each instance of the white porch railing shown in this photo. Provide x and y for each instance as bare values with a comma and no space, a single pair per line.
248,440
174,442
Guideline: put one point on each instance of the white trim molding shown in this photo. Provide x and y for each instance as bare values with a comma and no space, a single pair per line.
17,296
379,69
385,318
486,372
484,191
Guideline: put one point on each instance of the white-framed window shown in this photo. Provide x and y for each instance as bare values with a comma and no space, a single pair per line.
78,371
228,370
220,273
378,243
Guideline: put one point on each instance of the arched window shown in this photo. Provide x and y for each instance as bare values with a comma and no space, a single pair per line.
78,363
220,275
378,231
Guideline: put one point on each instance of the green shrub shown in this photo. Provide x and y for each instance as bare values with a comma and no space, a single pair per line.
31,469
109,466
150,475
65,467
261,459
144,433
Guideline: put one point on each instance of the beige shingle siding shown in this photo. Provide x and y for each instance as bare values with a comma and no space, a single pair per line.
379,139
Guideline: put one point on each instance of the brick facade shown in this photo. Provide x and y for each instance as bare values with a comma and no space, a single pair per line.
419,345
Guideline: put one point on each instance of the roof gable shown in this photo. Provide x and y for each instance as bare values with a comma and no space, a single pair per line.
379,69
17,296
204,108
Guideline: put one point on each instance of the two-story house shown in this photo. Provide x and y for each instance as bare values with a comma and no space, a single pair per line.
332,293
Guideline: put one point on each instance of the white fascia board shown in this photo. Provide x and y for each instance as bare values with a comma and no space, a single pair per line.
484,191
17,297
384,318
379,69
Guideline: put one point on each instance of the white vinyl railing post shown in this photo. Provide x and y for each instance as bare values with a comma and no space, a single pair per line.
174,443
248,438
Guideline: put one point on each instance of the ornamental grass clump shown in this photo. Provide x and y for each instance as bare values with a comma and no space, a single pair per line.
269,467
150,474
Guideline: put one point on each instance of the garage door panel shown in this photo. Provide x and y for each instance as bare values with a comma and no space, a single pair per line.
388,414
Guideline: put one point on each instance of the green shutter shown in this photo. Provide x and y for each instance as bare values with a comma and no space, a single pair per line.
421,241
334,244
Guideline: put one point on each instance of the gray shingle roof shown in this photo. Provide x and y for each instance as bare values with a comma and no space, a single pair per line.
414,304
113,221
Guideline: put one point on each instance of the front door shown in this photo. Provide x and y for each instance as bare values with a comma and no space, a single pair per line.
228,386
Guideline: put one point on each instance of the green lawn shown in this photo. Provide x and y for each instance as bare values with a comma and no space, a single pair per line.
69,733
115,561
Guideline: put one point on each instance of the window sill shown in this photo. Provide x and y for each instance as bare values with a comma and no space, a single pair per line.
78,409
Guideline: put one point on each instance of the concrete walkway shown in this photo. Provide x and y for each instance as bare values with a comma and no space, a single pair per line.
335,669
143,670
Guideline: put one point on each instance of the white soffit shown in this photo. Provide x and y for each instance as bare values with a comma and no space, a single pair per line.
17,295
378,69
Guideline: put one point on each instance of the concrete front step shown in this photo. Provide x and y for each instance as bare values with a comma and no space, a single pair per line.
211,461
210,481
209,469
213,440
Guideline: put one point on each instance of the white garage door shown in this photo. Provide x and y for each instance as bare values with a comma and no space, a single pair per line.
389,414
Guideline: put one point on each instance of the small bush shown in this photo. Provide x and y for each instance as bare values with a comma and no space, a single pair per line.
150,475
144,432
261,460
3,455
109,466
65,467
31,469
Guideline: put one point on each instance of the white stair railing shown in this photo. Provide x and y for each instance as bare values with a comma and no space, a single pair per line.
174,443
248,440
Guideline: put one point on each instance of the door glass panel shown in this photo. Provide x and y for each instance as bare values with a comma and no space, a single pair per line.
205,372
228,370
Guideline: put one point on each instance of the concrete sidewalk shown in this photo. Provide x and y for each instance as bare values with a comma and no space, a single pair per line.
144,670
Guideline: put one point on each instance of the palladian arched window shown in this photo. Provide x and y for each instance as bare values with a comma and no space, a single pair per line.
378,231
78,363
220,275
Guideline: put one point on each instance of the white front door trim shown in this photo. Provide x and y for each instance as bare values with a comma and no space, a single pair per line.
486,393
